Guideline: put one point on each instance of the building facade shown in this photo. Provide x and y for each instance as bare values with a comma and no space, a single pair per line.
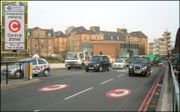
161,46
41,41
60,42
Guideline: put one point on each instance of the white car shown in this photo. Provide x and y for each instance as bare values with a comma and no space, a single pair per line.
39,66
119,64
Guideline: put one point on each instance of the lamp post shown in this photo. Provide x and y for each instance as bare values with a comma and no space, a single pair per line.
129,44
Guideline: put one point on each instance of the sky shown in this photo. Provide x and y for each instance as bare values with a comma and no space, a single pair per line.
150,17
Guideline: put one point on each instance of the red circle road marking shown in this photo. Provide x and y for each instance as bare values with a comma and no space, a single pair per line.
117,93
54,87
14,26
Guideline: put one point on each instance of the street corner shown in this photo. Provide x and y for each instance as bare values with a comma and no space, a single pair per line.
19,83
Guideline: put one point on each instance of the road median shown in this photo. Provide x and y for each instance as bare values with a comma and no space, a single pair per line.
57,65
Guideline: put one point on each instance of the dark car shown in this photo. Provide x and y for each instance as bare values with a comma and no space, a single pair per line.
140,65
98,63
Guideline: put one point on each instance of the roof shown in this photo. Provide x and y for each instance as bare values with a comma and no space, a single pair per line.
138,34
113,35
80,29
49,32
59,34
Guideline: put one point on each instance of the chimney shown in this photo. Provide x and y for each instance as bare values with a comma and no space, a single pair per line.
95,29
123,31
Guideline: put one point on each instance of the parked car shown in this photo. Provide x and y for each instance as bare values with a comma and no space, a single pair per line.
160,64
98,63
39,66
140,65
119,63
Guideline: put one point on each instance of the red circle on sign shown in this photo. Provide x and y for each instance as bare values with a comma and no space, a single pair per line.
14,26
117,93
54,87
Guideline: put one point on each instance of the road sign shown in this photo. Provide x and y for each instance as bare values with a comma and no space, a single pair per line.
54,87
14,28
118,93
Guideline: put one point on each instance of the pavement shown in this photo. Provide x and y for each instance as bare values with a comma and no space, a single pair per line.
14,83
165,95
57,65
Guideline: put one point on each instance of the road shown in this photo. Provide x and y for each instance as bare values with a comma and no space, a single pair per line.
81,91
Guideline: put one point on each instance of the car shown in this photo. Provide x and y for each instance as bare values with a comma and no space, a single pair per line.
140,65
160,64
39,66
98,63
119,63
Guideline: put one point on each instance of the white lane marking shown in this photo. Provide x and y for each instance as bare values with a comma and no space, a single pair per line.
36,110
78,93
106,81
121,75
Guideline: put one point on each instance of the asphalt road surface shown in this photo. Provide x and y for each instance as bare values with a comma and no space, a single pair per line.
77,90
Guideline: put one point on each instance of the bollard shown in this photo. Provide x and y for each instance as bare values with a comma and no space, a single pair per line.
30,71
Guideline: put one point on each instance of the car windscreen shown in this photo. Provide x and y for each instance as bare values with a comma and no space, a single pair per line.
96,59
72,56
139,60
119,61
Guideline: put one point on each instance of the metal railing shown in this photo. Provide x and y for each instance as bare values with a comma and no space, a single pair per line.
14,70
174,89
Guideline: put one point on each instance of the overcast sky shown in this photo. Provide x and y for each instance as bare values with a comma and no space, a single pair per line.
152,18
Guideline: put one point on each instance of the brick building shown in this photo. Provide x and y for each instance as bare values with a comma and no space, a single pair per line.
41,41
107,42
60,42
77,36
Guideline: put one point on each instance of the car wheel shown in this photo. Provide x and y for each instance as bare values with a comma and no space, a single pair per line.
87,70
146,74
69,68
100,69
108,68
19,74
46,72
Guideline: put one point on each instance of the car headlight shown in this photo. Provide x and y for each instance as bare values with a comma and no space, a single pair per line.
130,66
145,67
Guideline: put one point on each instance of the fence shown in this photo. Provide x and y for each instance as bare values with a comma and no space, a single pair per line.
174,89
14,70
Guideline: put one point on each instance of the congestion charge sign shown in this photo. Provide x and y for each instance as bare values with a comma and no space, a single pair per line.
117,93
14,28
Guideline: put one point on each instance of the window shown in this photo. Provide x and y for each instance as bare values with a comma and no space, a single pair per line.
96,38
49,47
35,41
29,33
36,47
49,34
91,36
42,41
85,37
33,62
111,37
101,37
40,61
35,34
42,34
42,47
117,38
